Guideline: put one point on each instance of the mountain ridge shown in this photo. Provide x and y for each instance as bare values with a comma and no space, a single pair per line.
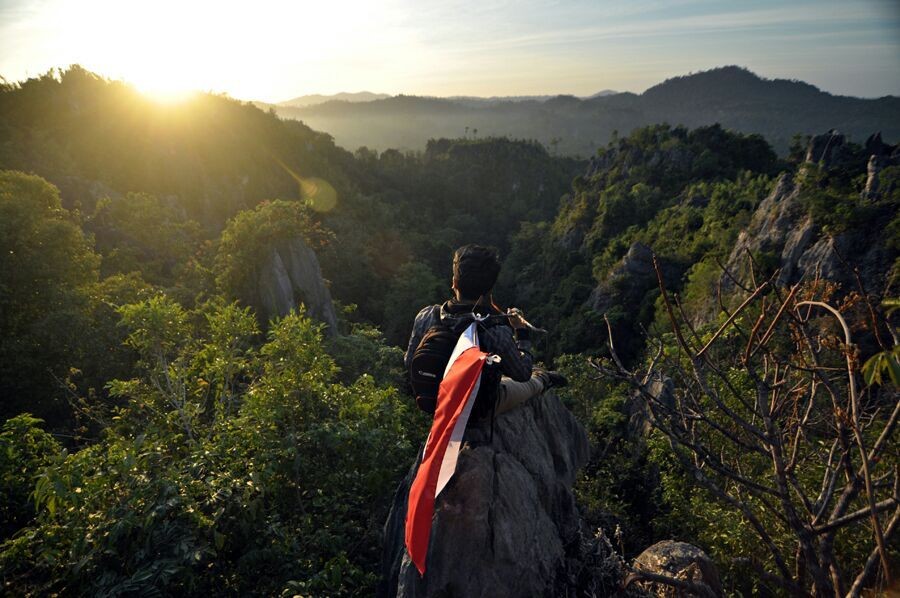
318,98
733,96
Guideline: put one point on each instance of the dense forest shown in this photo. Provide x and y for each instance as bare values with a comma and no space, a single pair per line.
165,433
731,96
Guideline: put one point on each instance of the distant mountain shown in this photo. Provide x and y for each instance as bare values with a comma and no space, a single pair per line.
732,96
313,99
603,94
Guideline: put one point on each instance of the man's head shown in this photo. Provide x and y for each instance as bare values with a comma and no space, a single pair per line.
475,270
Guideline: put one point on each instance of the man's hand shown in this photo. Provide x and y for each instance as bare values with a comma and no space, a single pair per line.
516,320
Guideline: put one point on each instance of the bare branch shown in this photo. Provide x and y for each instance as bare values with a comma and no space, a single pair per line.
612,347
883,505
693,587
731,318
863,578
854,405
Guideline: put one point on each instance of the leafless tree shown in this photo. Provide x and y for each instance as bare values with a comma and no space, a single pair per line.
768,414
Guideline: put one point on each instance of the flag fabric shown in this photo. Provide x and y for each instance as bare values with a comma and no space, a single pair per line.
456,396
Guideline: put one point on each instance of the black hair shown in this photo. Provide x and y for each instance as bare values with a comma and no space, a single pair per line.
475,270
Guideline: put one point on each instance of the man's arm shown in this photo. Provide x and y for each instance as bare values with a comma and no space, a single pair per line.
424,321
515,355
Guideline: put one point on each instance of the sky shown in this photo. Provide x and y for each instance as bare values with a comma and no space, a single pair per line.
271,50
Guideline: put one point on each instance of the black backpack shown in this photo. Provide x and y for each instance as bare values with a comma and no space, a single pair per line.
426,369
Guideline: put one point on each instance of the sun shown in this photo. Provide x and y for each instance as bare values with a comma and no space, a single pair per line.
162,86
169,48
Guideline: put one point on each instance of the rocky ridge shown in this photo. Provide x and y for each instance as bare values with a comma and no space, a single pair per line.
507,523
783,232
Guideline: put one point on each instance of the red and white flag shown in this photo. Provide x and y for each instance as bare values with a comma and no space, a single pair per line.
454,404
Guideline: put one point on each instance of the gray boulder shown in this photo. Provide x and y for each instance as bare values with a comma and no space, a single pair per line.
682,561
507,524
291,275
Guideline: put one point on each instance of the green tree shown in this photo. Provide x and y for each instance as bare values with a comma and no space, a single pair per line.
25,449
279,494
46,267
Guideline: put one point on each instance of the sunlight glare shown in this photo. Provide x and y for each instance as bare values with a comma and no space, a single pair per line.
169,47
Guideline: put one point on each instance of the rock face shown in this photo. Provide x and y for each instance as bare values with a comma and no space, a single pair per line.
681,561
627,282
777,227
823,148
782,235
881,155
291,275
506,524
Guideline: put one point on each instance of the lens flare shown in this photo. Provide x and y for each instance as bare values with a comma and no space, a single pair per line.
319,192
321,196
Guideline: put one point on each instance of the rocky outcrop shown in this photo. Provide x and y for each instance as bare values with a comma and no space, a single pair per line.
881,155
783,235
628,281
507,524
291,275
776,221
823,148
682,561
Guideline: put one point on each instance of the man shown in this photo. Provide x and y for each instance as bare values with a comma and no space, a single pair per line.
475,271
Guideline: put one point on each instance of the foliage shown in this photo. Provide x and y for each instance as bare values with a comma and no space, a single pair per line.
216,155
46,266
25,449
619,488
886,361
685,193
413,288
140,233
231,469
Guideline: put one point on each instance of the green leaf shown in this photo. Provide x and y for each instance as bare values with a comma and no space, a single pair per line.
893,366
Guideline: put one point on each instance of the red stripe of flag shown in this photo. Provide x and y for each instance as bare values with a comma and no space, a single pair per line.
455,389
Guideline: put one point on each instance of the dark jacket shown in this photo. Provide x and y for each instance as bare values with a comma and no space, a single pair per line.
513,347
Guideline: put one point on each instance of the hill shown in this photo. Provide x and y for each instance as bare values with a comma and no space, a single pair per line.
732,96
316,98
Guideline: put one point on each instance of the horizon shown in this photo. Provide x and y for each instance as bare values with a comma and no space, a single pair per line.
278,51
181,94
550,94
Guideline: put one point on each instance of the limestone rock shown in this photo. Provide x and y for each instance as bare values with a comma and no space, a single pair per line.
628,280
681,561
773,222
881,156
822,148
782,235
291,275
796,243
506,524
